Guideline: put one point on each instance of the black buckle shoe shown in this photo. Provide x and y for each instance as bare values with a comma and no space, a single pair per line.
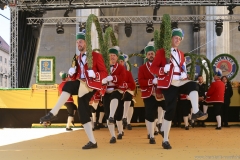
199,116
152,140
47,118
148,136
96,127
155,133
218,128
113,140
186,127
124,121
129,127
69,129
110,121
100,125
90,145
119,136
166,145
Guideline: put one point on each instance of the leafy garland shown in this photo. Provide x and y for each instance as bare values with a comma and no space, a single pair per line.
92,19
227,55
165,35
156,40
108,31
37,76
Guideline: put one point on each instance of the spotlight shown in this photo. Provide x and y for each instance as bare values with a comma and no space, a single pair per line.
128,28
196,27
82,26
36,30
3,5
230,8
105,26
69,10
60,29
149,28
219,27
174,25
239,26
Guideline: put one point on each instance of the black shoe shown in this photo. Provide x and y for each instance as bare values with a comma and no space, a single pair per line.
129,127
193,124
152,141
93,129
186,127
110,121
119,136
218,128
100,125
199,116
122,133
124,121
90,145
156,133
226,126
203,124
113,140
159,127
96,127
69,129
47,118
148,136
166,145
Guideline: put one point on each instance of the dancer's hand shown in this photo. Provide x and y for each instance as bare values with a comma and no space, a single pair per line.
183,75
167,68
155,81
71,71
91,73
109,78
104,81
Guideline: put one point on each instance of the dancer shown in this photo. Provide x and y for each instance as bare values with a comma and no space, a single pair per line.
85,82
172,78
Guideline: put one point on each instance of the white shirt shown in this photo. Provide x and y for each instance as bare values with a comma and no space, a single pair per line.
176,67
82,63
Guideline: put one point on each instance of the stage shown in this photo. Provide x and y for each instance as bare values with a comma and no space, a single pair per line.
56,143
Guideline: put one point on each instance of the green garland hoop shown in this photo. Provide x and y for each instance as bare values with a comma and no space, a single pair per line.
235,61
92,19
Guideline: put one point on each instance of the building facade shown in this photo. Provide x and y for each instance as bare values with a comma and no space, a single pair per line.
4,64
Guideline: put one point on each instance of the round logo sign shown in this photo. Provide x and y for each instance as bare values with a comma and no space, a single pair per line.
227,64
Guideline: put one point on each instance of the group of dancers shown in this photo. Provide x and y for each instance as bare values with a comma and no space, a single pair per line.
160,79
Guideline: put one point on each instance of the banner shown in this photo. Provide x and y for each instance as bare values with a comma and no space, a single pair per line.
46,70
227,63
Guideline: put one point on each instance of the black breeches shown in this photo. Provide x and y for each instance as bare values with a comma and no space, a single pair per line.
151,105
71,107
186,107
171,94
217,108
84,110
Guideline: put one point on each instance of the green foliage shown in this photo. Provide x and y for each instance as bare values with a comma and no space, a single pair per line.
156,40
108,31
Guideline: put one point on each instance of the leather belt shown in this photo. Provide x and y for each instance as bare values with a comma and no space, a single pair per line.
177,73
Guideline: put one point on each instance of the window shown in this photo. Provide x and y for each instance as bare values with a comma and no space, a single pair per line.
5,70
5,81
0,58
6,60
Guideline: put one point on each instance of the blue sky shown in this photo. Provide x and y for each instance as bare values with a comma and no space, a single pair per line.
5,24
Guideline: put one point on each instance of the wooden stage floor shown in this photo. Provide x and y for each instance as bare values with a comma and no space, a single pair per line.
58,144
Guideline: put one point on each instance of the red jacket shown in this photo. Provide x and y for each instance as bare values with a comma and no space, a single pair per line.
70,99
216,92
128,83
145,78
157,68
118,73
98,67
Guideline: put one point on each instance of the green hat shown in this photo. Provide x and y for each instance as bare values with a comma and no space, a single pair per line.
121,58
177,32
80,35
149,48
63,75
188,72
114,50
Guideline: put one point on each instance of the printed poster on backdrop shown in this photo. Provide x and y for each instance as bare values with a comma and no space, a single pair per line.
46,70
228,65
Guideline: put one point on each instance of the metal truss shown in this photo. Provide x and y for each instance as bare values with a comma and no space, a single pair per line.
14,48
134,19
83,4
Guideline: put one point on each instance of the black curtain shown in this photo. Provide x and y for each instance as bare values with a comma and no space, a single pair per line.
27,43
